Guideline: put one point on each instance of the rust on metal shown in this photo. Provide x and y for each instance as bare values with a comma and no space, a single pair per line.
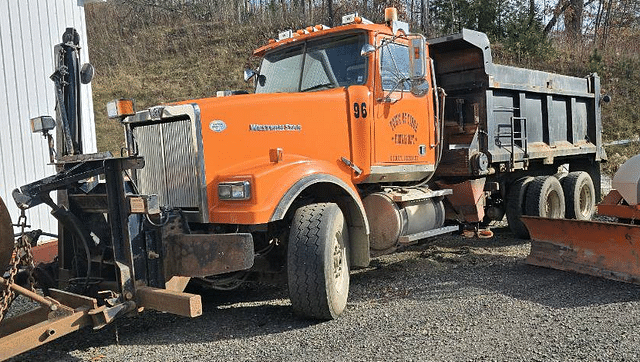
44,324
44,301
612,205
40,330
200,255
45,253
467,199
608,250
6,236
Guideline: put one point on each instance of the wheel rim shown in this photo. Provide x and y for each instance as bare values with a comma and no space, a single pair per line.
552,206
584,200
339,262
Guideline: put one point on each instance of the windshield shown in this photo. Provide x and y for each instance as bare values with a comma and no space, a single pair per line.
314,65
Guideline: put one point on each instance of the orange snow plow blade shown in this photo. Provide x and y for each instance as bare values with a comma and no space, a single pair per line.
603,249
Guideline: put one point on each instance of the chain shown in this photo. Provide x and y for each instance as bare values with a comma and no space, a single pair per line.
27,257
22,255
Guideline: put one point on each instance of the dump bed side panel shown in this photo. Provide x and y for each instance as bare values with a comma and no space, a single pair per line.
514,116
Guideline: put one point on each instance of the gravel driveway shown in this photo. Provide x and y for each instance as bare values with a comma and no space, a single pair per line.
453,299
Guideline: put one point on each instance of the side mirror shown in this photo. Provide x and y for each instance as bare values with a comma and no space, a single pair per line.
248,74
417,63
367,50
418,66
86,73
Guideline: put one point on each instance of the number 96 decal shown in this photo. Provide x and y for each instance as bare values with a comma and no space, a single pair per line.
360,110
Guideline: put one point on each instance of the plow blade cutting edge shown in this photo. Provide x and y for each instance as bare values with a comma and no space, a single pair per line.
603,249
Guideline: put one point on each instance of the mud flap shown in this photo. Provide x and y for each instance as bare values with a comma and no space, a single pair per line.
603,249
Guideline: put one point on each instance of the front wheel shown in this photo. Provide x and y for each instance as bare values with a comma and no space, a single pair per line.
317,261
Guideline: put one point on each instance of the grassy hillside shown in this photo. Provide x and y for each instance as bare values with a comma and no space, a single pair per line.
160,59
161,62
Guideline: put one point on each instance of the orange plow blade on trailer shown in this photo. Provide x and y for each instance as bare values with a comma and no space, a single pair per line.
603,249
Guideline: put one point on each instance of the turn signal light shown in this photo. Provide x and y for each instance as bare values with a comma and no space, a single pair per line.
120,108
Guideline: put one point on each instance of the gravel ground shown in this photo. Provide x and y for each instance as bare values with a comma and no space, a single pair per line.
453,299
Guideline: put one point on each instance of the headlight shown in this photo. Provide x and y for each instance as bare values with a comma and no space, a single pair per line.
240,190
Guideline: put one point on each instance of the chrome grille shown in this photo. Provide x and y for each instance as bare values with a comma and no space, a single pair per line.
171,167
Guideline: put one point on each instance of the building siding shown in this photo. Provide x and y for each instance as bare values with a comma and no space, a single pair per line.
28,31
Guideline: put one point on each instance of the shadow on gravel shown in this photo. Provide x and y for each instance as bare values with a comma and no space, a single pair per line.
250,311
450,267
458,267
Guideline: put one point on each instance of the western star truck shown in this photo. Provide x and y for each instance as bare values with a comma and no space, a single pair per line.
359,139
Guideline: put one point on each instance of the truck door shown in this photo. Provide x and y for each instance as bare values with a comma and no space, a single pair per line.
404,140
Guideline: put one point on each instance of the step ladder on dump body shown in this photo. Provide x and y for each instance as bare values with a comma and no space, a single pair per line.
513,136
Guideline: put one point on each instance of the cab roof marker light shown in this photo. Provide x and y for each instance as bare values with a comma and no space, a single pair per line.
285,35
354,19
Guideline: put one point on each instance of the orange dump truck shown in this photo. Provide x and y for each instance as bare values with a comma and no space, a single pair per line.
362,138
359,139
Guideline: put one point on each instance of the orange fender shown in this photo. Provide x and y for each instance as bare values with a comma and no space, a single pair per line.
274,188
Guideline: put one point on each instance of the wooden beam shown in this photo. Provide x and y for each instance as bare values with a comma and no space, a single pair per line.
184,304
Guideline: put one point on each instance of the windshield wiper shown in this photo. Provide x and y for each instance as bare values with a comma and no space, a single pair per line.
329,85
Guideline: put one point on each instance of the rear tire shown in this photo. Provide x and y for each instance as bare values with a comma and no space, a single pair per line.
515,206
545,198
317,261
580,196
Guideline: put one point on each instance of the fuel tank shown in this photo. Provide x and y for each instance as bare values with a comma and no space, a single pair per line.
395,213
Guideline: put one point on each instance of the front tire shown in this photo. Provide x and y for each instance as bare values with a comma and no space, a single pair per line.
317,261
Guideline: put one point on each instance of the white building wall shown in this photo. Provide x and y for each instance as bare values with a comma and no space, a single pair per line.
28,31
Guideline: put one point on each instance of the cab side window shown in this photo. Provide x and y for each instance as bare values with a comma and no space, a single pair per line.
394,65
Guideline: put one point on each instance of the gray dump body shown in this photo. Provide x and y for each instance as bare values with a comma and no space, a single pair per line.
516,117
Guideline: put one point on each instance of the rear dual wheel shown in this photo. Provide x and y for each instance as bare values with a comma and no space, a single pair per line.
580,195
515,206
318,262
540,196
545,198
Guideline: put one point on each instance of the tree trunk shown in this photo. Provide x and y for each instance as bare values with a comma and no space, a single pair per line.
559,9
532,12
573,19
424,15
